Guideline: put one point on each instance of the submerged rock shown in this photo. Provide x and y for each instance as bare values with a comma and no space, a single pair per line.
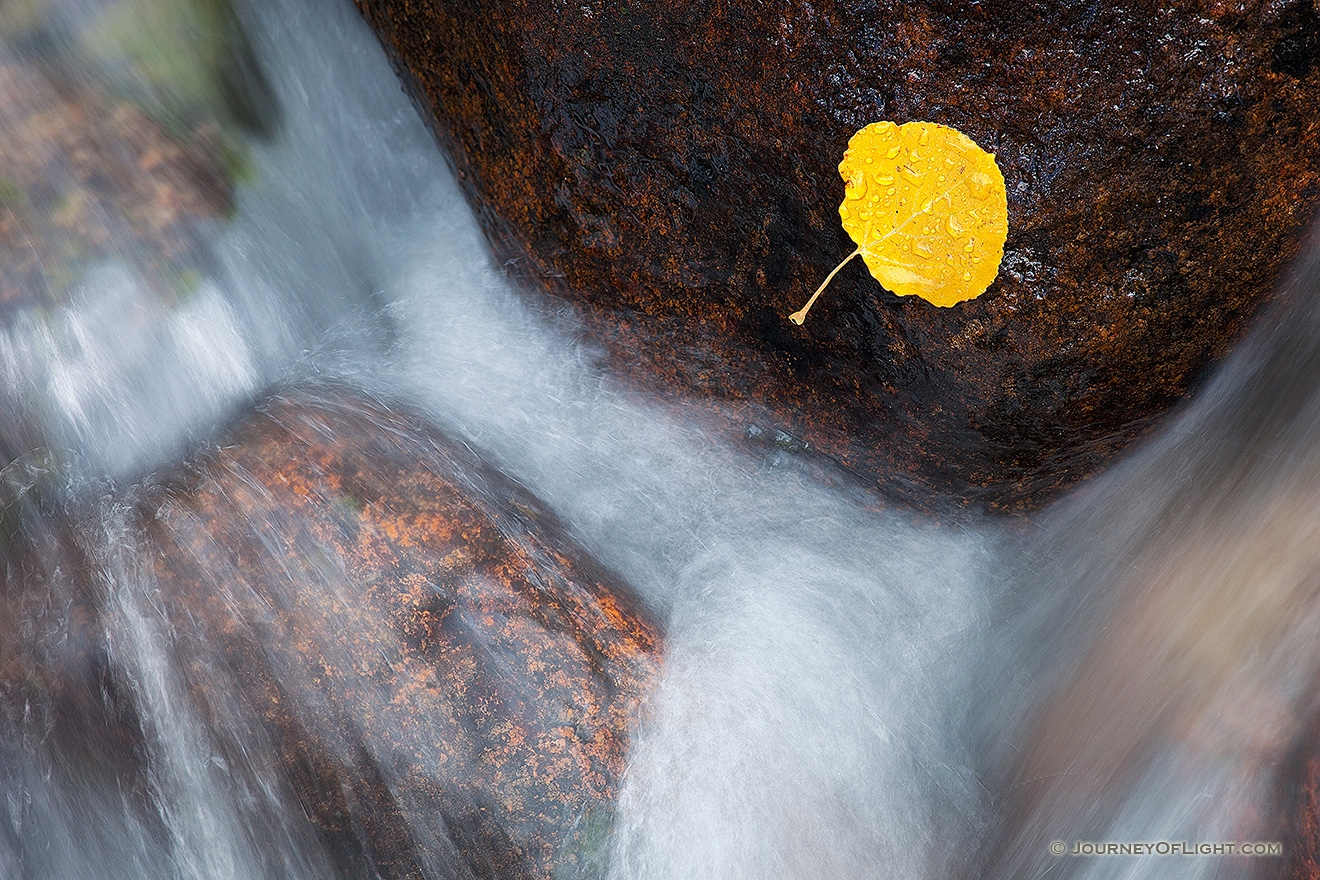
91,177
71,741
1297,809
673,167
338,641
445,683
124,127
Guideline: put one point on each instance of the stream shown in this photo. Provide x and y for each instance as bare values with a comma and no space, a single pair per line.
845,692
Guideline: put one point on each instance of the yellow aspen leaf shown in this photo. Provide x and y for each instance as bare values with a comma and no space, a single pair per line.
927,208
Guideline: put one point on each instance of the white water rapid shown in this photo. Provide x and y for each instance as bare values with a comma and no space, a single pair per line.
845,694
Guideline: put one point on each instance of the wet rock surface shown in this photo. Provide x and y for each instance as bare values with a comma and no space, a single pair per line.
1297,810
378,656
446,683
89,177
672,167
122,124
70,733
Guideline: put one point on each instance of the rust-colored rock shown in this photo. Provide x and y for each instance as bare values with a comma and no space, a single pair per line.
1295,817
87,176
673,165
1297,810
447,685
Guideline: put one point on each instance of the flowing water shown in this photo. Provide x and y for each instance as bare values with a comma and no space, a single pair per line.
845,694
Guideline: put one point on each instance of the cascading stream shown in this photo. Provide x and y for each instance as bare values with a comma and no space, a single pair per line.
844,693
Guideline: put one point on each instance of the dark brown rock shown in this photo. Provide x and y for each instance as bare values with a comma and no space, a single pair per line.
446,684
1297,809
69,731
673,166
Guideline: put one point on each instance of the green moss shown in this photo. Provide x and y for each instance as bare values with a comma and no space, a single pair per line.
585,855
188,58
21,18
235,160
21,480
12,195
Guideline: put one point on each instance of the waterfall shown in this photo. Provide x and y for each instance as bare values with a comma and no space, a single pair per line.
846,692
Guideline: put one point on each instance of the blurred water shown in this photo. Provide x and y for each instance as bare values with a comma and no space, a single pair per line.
1173,610
845,693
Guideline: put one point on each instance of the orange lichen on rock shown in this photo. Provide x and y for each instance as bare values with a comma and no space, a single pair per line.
88,175
927,208
462,679
1155,196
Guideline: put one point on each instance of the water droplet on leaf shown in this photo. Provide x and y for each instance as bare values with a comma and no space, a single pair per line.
858,185
972,200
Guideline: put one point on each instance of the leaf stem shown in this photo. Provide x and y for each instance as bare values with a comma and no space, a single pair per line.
800,315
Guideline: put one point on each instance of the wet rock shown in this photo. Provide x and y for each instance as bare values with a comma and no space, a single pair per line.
88,178
187,60
1297,808
446,684
70,733
122,123
672,166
